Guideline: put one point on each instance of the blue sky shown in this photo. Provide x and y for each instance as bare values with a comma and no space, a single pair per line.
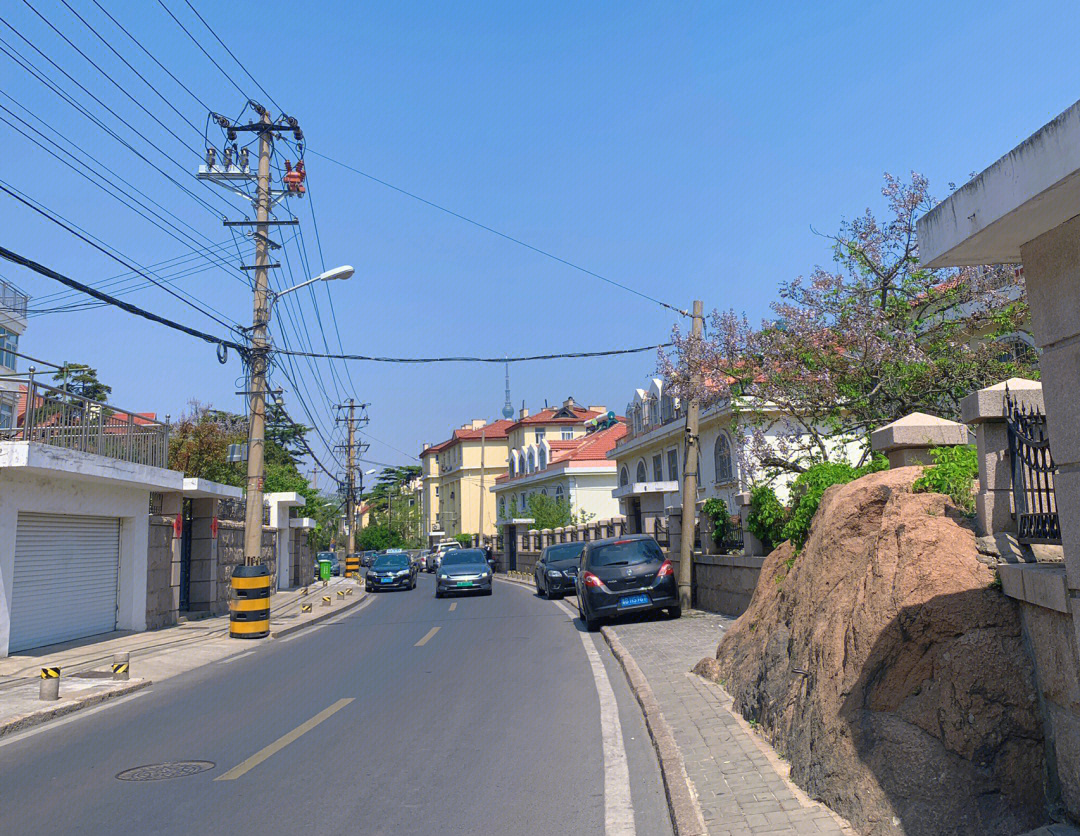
686,150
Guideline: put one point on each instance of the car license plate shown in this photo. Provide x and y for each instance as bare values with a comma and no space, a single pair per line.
386,580
634,600
464,583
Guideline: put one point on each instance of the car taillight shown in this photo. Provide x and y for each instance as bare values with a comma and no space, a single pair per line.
589,579
666,570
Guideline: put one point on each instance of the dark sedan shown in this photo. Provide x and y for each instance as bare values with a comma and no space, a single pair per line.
625,575
556,570
463,570
391,571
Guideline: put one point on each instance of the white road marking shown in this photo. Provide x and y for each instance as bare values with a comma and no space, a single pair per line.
228,659
71,718
427,637
618,808
453,606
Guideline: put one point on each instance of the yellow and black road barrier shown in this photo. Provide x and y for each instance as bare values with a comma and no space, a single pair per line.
326,600
50,684
304,591
341,593
348,590
249,616
305,608
352,565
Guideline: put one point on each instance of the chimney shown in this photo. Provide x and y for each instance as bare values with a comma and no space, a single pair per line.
602,409
569,402
524,413
426,445
477,423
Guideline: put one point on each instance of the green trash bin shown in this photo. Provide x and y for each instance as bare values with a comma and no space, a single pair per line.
325,569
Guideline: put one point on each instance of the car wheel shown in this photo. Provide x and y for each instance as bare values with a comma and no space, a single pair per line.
438,592
674,612
592,624
488,591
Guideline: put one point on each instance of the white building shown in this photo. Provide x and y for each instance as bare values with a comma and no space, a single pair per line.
13,304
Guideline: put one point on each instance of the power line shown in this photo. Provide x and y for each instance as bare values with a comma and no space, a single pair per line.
503,235
574,355
97,294
203,50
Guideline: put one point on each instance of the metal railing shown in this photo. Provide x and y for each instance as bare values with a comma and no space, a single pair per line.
12,298
62,419
1033,470
729,536
235,510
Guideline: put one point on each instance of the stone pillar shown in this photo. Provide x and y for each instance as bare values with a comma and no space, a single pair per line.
172,506
908,440
752,546
545,537
706,527
674,527
986,409
579,532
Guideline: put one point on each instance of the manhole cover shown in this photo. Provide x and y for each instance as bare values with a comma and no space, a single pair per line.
161,771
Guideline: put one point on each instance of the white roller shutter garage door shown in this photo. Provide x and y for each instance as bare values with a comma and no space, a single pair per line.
66,570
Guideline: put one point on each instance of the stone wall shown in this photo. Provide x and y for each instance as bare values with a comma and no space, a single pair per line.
162,575
231,554
303,563
724,583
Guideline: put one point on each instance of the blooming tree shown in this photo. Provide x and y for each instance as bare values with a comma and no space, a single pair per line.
857,345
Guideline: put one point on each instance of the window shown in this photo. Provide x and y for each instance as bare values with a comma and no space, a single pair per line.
502,506
673,465
451,494
722,458
567,434
624,477
637,418
532,461
6,416
667,408
1016,348
9,342
543,458
541,433
558,491
658,467
653,412
543,491
436,490
641,476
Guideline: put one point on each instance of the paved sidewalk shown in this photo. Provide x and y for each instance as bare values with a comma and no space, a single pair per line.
154,655
740,783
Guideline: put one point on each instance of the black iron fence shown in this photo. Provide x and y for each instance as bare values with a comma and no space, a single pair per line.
1034,500
728,535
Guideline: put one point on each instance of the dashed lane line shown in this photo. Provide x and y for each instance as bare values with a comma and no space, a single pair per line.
453,606
427,637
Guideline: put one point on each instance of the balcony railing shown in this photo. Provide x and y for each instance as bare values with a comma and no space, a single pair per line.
669,417
56,417
13,299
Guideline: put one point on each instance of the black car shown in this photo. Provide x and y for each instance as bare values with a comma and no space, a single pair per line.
557,569
367,558
463,570
625,575
391,571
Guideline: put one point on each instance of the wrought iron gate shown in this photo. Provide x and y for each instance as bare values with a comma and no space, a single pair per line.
1034,502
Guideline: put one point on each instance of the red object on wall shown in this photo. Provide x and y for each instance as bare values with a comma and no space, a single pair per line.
213,528
178,525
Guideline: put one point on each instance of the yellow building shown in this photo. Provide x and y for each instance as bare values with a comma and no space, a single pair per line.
457,473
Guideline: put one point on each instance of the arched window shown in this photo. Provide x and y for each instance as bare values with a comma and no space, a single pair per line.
722,458
543,457
512,465
532,461
543,491
558,491
653,411
642,475
624,477
502,506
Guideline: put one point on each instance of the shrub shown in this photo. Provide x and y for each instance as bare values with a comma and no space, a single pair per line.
807,490
464,539
767,516
953,474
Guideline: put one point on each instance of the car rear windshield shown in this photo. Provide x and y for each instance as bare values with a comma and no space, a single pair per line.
392,561
625,553
567,551
464,557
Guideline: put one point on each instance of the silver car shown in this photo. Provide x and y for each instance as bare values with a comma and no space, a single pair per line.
463,570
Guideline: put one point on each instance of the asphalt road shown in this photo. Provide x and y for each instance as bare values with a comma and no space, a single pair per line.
409,715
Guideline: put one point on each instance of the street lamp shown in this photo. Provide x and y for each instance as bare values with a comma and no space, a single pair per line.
337,274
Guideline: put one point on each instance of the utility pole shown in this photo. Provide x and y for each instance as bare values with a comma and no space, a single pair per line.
480,530
259,350
351,497
690,470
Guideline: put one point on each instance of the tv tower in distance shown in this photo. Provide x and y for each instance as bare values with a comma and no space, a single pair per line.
508,408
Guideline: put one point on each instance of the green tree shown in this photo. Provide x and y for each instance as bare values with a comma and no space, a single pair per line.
83,381
377,538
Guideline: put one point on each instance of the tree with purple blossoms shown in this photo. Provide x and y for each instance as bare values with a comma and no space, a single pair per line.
857,345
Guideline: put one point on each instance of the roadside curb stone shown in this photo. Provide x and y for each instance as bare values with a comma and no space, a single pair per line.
322,616
69,705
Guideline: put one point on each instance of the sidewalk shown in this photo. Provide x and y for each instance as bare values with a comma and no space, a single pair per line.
85,664
740,783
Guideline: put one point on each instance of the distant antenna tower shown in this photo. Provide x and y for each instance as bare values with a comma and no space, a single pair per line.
508,408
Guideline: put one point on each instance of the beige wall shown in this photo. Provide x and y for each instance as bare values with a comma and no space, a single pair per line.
459,479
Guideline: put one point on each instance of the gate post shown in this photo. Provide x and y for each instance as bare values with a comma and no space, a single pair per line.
986,409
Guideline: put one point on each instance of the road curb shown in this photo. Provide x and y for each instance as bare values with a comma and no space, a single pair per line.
686,816
321,617
44,715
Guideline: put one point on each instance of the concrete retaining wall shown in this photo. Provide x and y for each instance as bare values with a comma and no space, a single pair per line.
724,583
162,575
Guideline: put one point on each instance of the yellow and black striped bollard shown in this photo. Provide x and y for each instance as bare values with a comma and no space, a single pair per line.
341,593
249,616
352,565
348,590
50,684
121,667
326,600
305,608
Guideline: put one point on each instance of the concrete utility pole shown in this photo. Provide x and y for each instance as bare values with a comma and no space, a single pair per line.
350,498
259,352
483,437
690,472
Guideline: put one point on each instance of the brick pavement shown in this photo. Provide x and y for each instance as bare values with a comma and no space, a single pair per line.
740,783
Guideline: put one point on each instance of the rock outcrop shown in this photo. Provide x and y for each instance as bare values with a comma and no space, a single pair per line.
881,662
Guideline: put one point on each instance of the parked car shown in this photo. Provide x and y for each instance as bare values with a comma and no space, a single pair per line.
463,570
367,558
441,549
391,571
556,571
335,564
625,575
